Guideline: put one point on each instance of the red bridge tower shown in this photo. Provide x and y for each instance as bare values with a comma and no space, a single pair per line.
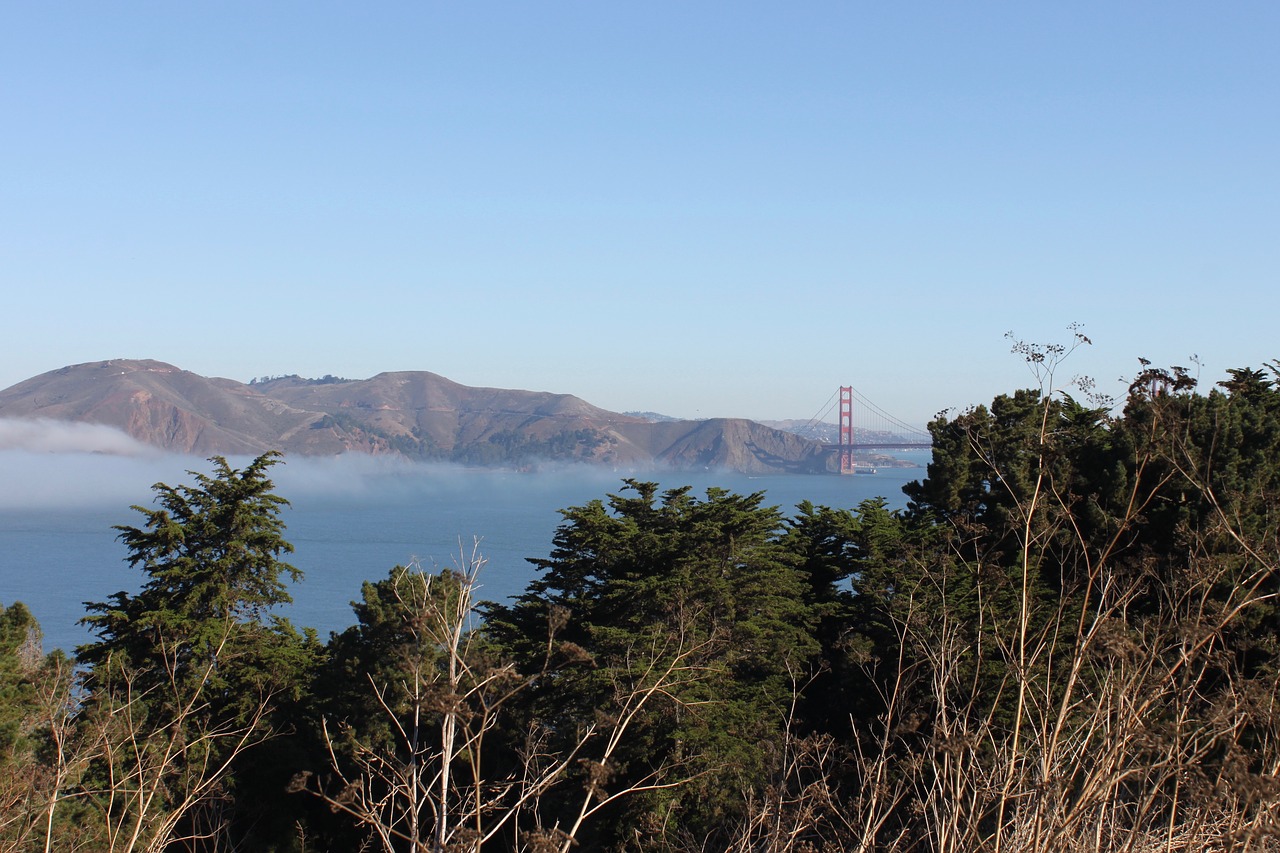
846,429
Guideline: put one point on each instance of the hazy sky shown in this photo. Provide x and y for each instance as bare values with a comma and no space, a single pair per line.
695,208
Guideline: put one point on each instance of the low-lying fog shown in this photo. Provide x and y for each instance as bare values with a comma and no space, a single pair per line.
56,464
351,518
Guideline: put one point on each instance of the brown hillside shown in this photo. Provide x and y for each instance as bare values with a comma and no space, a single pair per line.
415,414
156,403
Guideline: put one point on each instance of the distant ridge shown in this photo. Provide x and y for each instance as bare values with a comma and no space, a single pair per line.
413,414
652,417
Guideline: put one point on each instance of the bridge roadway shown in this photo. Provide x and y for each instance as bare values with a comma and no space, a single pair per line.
885,445
880,445
905,437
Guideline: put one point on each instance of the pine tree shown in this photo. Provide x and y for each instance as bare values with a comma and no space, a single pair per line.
652,579
193,672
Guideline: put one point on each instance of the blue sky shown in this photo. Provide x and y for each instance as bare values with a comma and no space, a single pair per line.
700,209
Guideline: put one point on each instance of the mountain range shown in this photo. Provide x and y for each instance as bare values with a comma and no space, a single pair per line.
413,414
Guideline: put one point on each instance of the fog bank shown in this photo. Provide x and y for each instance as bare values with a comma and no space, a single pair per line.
46,464
40,435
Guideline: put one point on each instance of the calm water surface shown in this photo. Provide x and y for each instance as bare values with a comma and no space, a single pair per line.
347,523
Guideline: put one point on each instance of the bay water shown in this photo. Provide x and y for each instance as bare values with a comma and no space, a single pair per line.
349,520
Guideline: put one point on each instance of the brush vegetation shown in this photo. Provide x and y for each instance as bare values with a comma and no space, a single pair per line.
1066,641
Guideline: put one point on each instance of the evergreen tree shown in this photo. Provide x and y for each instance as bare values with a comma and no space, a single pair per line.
193,672
1086,644
36,702
649,582
20,659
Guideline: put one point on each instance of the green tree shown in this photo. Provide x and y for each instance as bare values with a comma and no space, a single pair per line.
425,742
852,558
647,580
20,659
193,672
25,682
1078,657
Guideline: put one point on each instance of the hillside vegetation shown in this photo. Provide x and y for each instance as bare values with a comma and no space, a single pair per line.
1067,641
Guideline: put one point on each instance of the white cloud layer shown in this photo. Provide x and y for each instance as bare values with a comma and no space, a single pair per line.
40,435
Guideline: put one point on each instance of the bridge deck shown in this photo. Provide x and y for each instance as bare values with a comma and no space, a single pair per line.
883,445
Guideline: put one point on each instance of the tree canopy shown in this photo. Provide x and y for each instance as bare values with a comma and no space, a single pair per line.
1066,640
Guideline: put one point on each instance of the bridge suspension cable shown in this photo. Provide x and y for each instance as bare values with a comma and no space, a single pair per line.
888,432
887,420
875,428
822,412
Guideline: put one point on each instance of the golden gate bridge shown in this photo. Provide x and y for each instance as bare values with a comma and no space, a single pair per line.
876,429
